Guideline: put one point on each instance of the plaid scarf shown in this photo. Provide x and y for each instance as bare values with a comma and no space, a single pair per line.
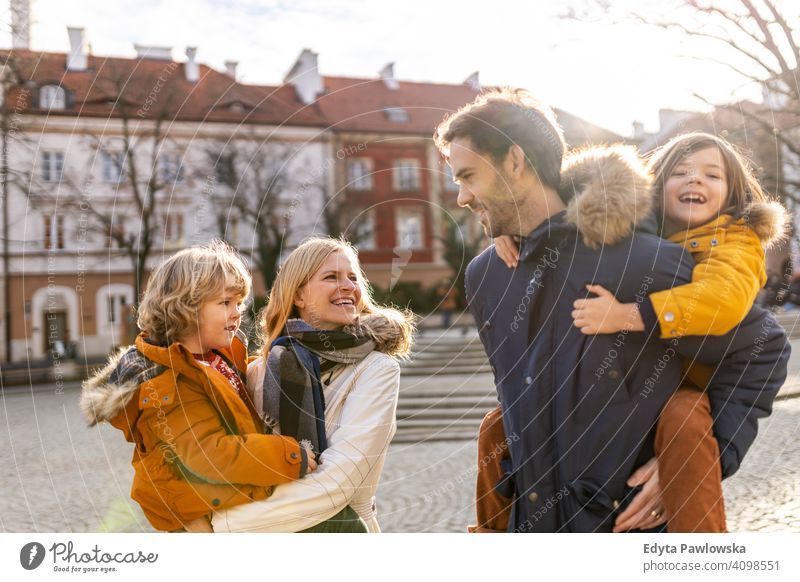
293,398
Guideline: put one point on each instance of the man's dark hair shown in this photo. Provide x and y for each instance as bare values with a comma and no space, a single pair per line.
499,118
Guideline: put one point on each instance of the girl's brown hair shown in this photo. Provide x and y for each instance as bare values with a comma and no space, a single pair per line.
743,187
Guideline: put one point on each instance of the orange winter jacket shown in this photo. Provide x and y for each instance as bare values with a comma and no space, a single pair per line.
198,448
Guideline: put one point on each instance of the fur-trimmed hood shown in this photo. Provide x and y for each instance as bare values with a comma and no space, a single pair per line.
769,220
108,392
391,330
608,193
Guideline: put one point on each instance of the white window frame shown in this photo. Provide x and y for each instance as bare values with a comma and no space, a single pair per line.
407,238
359,174
396,114
52,165
174,231
53,232
406,175
113,166
170,167
52,97
364,235
449,183
110,297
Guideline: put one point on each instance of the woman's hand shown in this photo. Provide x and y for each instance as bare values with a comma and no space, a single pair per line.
604,314
646,510
507,248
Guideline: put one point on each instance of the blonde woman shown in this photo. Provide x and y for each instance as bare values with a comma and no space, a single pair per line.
328,376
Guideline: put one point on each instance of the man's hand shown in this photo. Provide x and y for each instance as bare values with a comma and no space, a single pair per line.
604,314
507,248
646,510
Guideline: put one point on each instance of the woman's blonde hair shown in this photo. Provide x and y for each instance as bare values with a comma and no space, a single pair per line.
743,187
296,272
180,285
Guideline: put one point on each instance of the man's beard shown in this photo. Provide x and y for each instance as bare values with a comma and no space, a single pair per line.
503,215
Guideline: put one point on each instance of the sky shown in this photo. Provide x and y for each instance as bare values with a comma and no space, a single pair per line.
605,72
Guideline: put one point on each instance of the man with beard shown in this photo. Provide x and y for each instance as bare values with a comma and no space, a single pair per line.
579,411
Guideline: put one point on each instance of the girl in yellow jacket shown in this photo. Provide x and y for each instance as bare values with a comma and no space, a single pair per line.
180,396
712,205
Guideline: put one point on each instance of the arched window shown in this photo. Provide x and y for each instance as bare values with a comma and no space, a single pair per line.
52,97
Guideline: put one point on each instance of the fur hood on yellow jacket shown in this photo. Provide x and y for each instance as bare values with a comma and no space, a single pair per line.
609,194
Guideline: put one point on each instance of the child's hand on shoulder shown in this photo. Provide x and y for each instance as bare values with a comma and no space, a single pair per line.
507,248
604,314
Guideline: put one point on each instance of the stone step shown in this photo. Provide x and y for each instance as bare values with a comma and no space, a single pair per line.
445,356
432,423
446,370
443,416
451,401
426,435
460,360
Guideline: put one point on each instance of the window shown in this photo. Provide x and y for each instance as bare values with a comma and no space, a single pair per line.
171,168
53,231
115,232
232,231
52,166
116,305
396,114
359,174
364,231
173,228
113,167
225,170
52,97
449,185
406,175
409,228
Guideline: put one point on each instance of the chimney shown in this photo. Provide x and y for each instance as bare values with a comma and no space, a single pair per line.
387,76
230,69
638,130
78,49
305,78
473,81
191,68
161,53
21,24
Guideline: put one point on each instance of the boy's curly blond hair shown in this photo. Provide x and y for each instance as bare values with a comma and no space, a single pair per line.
180,285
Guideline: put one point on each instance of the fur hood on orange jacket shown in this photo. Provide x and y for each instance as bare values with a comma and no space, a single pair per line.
197,446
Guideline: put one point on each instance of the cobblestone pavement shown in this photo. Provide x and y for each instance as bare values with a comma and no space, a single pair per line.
58,475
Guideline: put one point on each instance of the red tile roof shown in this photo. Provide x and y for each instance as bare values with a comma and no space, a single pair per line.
352,104
150,88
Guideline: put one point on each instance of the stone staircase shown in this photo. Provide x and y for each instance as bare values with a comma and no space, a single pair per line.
790,321
446,388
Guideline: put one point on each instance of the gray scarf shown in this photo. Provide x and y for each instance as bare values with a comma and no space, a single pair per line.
293,397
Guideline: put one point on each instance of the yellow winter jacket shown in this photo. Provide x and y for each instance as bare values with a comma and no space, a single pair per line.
729,273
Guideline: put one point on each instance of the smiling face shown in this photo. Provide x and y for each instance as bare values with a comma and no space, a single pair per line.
217,322
332,296
695,191
484,188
